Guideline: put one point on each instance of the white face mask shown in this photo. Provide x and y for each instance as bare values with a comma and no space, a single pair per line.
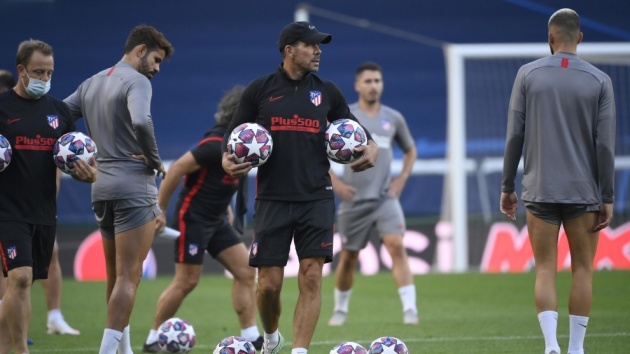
36,88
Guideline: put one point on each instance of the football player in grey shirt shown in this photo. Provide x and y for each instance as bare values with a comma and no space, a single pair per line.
562,120
369,199
116,106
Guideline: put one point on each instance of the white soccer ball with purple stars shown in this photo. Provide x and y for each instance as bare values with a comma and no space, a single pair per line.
250,142
5,153
176,336
71,147
388,345
348,348
234,345
343,136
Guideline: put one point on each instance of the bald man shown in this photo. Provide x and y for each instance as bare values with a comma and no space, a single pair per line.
561,118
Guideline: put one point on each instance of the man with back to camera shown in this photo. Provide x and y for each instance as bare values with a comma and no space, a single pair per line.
561,118
116,105
294,200
32,121
370,200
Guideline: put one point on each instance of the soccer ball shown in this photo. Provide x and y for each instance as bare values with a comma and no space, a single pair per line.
342,137
5,153
388,345
176,336
71,147
250,142
234,345
348,348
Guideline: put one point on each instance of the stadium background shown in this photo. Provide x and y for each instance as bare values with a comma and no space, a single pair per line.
222,43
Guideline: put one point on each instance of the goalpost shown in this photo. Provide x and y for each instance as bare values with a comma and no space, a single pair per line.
479,84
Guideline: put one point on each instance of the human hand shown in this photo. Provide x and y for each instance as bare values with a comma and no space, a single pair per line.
368,157
233,168
161,171
141,157
85,171
160,222
509,204
396,186
605,216
344,191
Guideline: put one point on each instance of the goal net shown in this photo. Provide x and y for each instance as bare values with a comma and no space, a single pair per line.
479,80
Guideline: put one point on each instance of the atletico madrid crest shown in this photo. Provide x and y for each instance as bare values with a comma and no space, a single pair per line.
53,121
12,252
316,97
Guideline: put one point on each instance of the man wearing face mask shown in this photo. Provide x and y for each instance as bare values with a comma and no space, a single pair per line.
52,286
32,121
116,106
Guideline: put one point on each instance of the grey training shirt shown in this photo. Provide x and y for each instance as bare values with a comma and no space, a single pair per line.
562,111
116,105
387,126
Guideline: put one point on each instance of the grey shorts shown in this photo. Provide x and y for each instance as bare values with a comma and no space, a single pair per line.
120,215
555,213
357,221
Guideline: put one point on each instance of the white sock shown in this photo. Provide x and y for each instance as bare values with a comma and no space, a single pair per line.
299,351
124,347
272,338
549,323
54,314
250,333
577,331
153,336
109,344
408,297
342,300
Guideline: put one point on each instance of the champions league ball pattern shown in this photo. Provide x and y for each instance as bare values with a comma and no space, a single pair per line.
176,336
348,348
250,142
71,147
342,137
234,345
388,345
5,153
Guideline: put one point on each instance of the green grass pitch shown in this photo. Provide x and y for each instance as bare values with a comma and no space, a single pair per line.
460,313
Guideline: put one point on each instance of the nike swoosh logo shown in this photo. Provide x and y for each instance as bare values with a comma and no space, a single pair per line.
271,99
13,120
324,244
582,325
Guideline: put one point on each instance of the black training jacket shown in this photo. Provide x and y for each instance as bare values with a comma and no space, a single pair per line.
296,114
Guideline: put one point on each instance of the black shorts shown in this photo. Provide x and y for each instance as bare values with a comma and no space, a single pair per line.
26,245
308,224
197,237
554,213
